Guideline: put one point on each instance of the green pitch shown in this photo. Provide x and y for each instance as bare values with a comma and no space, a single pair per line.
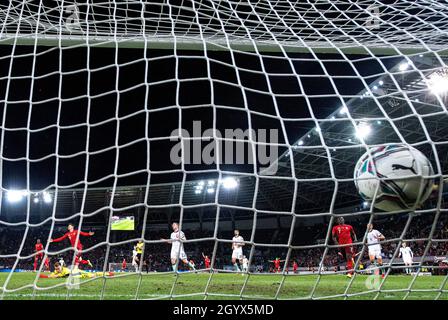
224,286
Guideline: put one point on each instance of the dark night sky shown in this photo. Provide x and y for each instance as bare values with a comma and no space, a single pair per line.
195,100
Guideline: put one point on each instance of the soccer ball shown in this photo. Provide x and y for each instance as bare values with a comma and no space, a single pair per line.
405,166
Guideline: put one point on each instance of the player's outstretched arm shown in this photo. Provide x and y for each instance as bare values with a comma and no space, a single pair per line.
59,239
86,234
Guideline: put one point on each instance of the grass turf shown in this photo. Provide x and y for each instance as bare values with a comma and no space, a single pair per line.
223,286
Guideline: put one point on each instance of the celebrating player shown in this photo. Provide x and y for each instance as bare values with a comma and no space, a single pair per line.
276,263
38,248
237,249
373,241
177,247
407,255
206,261
342,235
73,236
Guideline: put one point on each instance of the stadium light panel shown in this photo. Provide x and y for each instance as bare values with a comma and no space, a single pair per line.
438,83
210,190
36,199
300,143
210,183
229,183
381,82
343,110
15,195
47,197
403,66
363,130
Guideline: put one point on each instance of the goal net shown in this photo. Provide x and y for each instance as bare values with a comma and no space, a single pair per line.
120,119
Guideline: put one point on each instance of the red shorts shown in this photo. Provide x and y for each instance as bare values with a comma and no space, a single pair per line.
39,256
347,249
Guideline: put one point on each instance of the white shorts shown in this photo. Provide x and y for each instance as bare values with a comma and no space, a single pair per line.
407,260
237,254
375,251
176,254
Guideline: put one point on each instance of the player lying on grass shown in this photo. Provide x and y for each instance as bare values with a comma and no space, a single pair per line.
373,242
72,235
64,272
342,235
177,247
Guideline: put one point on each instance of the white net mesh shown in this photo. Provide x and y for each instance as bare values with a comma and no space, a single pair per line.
219,115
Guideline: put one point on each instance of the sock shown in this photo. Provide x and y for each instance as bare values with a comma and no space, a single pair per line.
83,262
380,269
236,266
174,266
350,265
35,264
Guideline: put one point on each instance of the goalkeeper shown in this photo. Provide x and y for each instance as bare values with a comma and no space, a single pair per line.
64,272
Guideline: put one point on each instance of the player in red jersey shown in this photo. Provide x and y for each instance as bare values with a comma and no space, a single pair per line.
72,235
344,234
38,248
277,262
124,265
295,266
206,261
47,263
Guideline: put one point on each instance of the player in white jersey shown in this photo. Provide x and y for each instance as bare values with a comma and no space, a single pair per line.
177,247
237,249
135,260
373,241
245,264
407,255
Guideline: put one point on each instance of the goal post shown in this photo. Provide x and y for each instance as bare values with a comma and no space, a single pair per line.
201,121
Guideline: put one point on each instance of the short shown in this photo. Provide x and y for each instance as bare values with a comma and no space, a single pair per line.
39,256
407,260
375,251
237,253
178,254
347,250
